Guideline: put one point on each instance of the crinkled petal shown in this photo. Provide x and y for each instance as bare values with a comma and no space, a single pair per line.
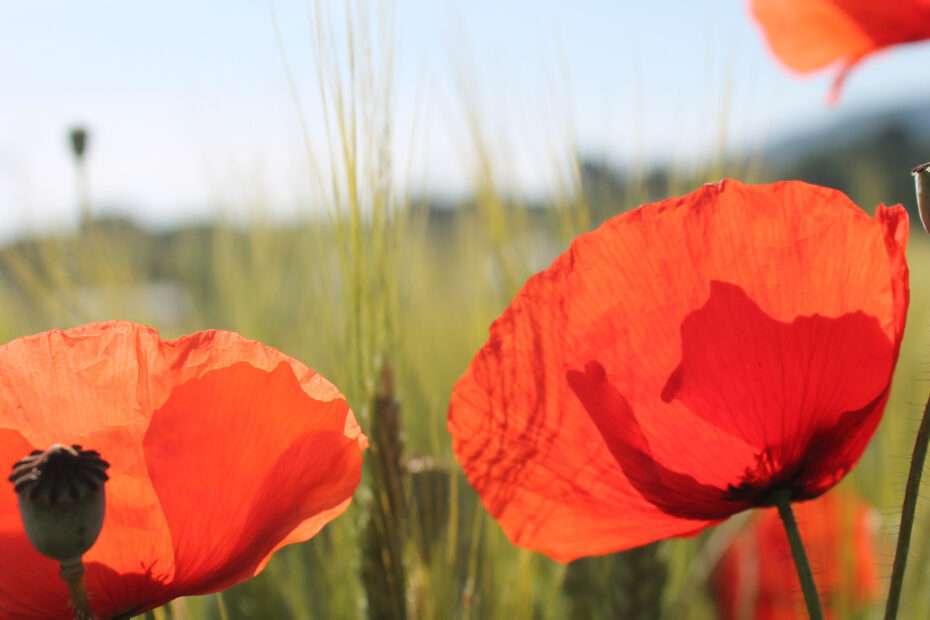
785,264
258,461
99,385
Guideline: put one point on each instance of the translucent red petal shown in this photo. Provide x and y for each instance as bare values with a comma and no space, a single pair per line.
676,364
812,34
221,450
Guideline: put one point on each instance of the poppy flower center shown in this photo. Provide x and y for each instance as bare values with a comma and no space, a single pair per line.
61,473
61,499
760,480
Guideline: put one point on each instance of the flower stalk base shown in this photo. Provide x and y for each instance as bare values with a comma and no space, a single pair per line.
811,598
72,572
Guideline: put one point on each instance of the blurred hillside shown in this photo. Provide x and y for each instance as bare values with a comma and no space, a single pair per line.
868,155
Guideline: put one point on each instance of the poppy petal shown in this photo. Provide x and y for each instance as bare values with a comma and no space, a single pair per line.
812,34
815,370
625,439
99,385
286,453
545,455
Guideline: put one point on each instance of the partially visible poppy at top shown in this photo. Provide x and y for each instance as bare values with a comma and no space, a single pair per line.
755,579
684,362
807,35
221,450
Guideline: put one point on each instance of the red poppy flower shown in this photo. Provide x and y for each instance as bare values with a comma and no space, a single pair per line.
812,34
681,363
221,451
756,576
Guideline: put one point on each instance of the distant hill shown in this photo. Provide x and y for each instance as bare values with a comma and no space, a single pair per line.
912,118
867,154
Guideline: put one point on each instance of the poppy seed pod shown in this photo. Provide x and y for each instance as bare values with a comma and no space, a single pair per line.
61,499
77,136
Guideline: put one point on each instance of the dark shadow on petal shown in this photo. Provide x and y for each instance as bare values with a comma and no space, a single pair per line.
828,460
674,493
781,387
127,595
31,588
39,592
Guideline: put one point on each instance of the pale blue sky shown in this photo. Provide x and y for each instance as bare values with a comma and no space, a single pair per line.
190,109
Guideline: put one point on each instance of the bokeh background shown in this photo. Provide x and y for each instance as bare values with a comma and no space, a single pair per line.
365,185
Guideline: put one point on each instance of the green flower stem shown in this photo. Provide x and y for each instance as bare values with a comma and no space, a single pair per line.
72,572
922,186
907,515
783,502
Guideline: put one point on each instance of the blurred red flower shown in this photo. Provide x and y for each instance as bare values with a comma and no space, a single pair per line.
682,362
221,451
756,578
812,34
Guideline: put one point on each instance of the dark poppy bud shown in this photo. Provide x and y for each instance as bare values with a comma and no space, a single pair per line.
922,187
61,499
77,136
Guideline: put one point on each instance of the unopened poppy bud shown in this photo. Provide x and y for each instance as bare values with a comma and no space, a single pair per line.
922,187
77,136
61,499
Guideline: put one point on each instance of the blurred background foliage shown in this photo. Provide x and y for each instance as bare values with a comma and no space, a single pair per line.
429,280
390,295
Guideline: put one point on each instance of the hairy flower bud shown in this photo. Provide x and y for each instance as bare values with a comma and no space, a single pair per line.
922,187
78,139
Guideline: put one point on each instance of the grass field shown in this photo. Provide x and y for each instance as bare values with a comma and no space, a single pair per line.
390,300
423,297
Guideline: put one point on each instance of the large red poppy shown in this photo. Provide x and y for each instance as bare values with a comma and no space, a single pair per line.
756,576
682,362
221,451
812,34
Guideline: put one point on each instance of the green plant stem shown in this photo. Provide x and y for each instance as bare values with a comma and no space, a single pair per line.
908,511
783,502
72,572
